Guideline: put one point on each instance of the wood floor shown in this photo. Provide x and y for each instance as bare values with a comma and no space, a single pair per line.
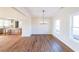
35,43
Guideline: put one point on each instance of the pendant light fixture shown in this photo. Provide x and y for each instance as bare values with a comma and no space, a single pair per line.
43,17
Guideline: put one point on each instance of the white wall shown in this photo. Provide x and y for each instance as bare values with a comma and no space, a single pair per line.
26,22
26,27
12,13
38,28
65,32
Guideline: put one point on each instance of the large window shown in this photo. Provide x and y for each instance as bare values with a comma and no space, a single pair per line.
57,25
75,27
5,23
1,23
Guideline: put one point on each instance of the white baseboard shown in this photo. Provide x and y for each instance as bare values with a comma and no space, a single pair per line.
67,42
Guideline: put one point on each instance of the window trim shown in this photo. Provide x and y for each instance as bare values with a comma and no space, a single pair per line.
72,20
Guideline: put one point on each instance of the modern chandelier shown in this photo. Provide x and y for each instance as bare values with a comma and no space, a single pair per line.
43,17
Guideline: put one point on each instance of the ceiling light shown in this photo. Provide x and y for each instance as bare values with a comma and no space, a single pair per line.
43,17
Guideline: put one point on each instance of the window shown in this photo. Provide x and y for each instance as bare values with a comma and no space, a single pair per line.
75,27
57,25
5,23
1,23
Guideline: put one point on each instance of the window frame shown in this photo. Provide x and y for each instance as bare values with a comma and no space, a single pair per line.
4,21
72,26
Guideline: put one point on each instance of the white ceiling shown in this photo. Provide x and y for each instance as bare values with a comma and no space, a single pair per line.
37,11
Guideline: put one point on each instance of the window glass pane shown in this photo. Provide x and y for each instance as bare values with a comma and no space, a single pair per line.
76,21
7,23
75,27
57,25
1,23
76,31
